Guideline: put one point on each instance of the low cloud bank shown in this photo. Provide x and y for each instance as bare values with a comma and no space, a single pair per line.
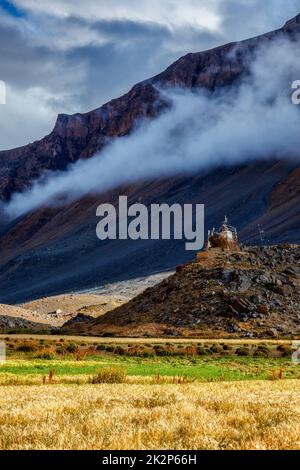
201,130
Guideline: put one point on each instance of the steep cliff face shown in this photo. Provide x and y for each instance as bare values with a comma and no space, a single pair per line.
74,137
54,250
82,135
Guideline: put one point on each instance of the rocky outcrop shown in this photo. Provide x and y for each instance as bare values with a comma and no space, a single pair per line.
252,293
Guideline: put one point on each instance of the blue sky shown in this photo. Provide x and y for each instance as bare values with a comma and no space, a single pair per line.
68,56
10,8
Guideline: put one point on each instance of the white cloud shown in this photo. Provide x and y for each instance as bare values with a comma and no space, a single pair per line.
255,121
24,113
170,12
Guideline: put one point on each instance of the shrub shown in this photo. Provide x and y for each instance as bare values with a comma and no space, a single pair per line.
243,351
161,352
146,354
27,347
262,351
100,347
119,351
110,376
46,355
215,348
60,350
285,350
201,351
72,348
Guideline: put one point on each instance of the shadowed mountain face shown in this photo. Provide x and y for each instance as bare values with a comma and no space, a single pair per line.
54,250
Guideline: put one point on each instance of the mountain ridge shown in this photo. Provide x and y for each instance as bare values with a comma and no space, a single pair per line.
81,135
37,250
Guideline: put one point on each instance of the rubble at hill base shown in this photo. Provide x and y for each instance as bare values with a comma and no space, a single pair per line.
254,292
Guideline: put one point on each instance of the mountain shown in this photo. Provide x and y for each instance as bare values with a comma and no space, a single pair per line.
252,293
53,250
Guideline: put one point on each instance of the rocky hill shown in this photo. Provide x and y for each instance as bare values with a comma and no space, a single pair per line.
251,293
37,250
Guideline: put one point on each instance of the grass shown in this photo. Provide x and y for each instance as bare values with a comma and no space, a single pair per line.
202,369
105,394
103,340
241,415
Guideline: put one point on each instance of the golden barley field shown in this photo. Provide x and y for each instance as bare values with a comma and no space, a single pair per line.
236,415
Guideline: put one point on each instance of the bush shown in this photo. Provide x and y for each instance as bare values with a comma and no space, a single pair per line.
201,351
215,348
146,354
285,350
262,351
72,348
161,352
27,347
110,376
119,351
60,350
100,347
47,355
242,351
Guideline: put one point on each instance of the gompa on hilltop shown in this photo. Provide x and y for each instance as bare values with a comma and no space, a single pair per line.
225,238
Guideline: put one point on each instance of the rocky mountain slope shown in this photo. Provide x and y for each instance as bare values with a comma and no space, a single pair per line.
251,293
82,135
37,250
